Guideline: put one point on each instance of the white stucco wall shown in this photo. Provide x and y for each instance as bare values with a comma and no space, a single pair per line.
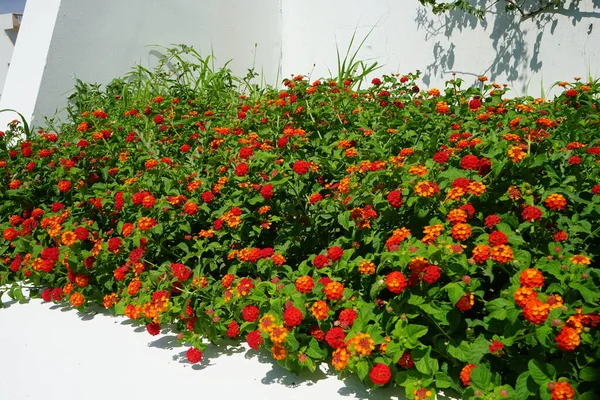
6,46
97,41
8,35
21,89
525,54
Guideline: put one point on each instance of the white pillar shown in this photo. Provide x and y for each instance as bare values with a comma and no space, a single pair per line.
28,61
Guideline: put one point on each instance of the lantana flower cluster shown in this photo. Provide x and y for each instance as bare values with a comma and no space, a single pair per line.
441,239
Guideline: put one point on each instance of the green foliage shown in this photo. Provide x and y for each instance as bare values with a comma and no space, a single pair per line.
433,239
524,8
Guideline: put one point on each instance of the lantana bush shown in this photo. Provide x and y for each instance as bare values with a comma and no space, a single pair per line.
441,239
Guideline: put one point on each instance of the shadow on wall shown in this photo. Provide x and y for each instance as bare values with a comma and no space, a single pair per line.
513,57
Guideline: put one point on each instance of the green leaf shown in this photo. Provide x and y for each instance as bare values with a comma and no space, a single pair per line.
394,350
481,377
315,351
425,364
541,372
479,348
590,374
310,364
292,342
544,335
415,331
344,220
589,295
497,309
459,352
362,369
455,292
183,247
525,386
17,293
442,381
589,396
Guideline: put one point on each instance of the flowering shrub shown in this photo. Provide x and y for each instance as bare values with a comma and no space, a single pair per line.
440,239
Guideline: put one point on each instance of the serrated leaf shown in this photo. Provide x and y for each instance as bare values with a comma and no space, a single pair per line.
442,381
541,373
481,377
479,348
498,309
315,351
415,331
588,294
455,292
589,396
292,342
183,247
459,352
344,220
544,335
425,364
362,369
525,386
590,374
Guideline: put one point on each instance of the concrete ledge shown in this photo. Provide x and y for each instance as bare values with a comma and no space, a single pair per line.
53,352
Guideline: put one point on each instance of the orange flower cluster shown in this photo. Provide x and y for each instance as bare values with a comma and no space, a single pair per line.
366,267
562,391
465,374
320,310
461,231
334,290
339,358
398,236
516,154
426,189
432,232
267,323
556,202
502,253
361,344
532,278
362,216
536,311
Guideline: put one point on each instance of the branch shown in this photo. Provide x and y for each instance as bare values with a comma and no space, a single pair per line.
531,14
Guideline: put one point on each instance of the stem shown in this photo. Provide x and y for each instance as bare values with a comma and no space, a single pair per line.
524,336
531,14
439,327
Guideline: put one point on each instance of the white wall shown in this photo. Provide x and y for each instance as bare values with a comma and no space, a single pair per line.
8,35
100,40
28,62
97,41
6,46
406,37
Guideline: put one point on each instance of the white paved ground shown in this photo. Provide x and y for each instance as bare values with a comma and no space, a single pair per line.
50,352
